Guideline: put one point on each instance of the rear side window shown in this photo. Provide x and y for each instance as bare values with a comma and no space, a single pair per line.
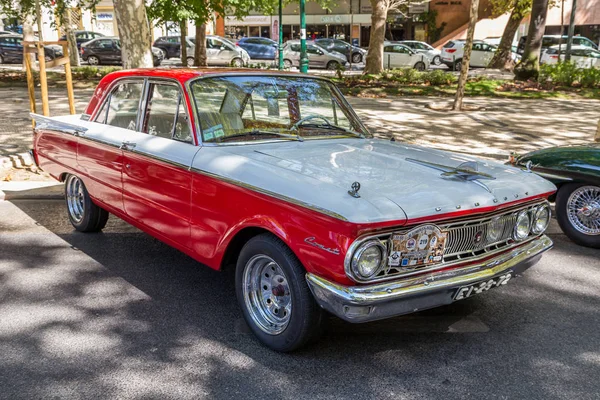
449,45
121,108
165,116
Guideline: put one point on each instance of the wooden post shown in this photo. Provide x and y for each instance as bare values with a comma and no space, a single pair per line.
597,138
42,60
69,80
30,82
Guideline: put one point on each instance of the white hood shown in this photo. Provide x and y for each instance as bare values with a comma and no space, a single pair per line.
320,173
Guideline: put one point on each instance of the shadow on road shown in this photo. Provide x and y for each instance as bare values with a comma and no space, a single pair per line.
120,314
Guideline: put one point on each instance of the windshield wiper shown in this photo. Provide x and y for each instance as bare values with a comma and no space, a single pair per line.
258,132
333,127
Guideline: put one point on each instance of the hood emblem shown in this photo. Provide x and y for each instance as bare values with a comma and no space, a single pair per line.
355,188
467,171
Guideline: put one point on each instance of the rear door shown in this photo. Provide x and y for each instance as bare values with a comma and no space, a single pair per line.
99,153
157,181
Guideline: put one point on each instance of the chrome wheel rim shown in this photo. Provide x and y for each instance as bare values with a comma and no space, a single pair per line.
190,62
93,60
238,63
583,210
437,60
357,58
75,198
267,294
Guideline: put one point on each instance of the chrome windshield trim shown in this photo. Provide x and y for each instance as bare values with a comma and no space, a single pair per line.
443,225
271,194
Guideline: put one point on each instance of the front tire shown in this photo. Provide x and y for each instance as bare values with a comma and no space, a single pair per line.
578,213
287,64
274,296
1,59
237,63
437,61
85,216
357,58
189,61
420,66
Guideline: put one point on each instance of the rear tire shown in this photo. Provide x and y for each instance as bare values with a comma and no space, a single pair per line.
85,216
189,61
458,65
274,296
333,65
1,59
93,60
581,229
287,64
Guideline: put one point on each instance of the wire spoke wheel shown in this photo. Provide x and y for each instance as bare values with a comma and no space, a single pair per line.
75,198
267,294
583,210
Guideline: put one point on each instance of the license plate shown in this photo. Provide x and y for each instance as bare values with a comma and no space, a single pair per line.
483,286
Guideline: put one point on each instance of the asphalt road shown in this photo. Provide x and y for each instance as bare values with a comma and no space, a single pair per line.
121,315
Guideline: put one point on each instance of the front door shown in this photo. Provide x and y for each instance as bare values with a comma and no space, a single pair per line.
157,181
316,57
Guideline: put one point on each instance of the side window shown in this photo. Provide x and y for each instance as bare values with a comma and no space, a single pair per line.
122,106
174,40
313,50
163,117
295,47
388,49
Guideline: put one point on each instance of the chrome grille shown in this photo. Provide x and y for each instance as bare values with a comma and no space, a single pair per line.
460,243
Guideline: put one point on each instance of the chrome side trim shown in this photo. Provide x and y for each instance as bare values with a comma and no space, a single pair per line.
443,225
157,158
52,124
430,282
271,194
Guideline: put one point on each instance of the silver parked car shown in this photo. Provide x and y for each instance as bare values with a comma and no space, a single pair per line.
318,57
423,48
219,51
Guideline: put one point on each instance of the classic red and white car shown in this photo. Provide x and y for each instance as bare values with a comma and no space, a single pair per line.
274,174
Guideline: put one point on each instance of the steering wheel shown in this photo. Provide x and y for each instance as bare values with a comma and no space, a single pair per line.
297,124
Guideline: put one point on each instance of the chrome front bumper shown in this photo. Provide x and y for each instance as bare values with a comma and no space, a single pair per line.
403,296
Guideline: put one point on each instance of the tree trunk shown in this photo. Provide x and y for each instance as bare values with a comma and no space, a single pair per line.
183,30
134,32
464,71
71,40
529,67
200,47
597,138
374,62
28,36
503,57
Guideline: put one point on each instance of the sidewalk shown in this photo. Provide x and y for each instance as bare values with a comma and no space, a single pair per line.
500,127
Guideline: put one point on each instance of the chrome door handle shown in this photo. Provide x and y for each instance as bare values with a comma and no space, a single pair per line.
127,146
127,166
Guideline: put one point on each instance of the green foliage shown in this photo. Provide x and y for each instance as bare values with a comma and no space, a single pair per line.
434,32
570,75
521,8
439,78
89,72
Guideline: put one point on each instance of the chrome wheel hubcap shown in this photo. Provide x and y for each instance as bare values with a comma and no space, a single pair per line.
75,198
267,294
583,210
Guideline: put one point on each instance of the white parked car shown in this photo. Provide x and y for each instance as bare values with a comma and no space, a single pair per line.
219,51
582,56
318,57
396,55
432,53
481,54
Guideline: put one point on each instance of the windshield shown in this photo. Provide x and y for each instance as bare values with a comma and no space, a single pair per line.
241,108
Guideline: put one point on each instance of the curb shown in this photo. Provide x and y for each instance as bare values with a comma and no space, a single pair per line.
31,190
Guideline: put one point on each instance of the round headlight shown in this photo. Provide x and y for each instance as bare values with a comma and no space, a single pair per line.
494,230
541,219
368,259
522,226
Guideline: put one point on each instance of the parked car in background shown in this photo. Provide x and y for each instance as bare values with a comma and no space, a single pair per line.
432,54
481,54
84,36
169,45
259,48
396,55
318,57
552,40
11,50
575,170
352,53
583,57
6,33
219,51
107,50
274,174
493,40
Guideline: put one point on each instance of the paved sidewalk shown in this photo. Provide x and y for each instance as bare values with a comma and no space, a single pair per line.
500,127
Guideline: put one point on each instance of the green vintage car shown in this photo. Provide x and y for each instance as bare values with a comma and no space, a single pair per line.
575,170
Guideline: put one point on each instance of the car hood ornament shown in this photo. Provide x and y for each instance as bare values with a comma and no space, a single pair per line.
355,188
467,171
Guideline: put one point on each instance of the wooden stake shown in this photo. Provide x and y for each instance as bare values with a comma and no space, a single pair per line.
42,60
69,82
30,82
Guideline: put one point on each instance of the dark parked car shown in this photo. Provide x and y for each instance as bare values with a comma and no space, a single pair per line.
575,170
343,47
11,50
84,36
107,50
259,48
169,45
